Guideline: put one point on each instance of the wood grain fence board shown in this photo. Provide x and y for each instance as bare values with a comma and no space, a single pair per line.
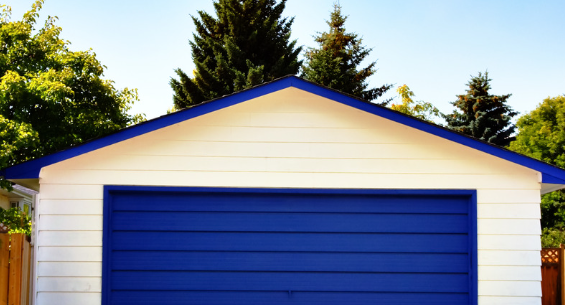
4,267
25,272
15,289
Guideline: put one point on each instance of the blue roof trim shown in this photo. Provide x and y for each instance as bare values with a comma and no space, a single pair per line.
31,169
551,179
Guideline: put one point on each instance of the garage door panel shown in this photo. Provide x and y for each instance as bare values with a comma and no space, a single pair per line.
273,261
284,297
311,242
285,202
293,281
290,222
275,246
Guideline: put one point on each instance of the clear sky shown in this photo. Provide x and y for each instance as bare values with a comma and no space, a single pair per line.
433,46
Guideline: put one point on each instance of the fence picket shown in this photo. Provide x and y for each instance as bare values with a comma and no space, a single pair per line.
4,267
15,280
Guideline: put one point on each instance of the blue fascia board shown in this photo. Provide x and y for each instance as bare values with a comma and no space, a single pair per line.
31,169
546,178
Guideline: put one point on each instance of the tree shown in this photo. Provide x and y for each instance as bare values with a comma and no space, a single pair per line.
50,97
541,135
482,115
16,221
335,63
246,44
419,109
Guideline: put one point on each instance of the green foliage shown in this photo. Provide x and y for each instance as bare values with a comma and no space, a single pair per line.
16,221
246,44
552,238
335,63
419,109
50,97
482,115
542,132
541,135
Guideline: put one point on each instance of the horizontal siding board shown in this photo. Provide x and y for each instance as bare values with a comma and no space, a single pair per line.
509,242
295,150
294,180
69,269
71,222
71,191
316,165
70,238
69,284
318,242
69,254
509,211
509,226
509,258
271,222
283,297
495,300
509,196
69,207
510,288
272,261
69,298
294,281
509,273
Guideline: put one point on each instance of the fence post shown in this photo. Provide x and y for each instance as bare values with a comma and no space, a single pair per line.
4,267
15,282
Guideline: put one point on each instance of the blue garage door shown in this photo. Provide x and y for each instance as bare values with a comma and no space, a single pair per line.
270,246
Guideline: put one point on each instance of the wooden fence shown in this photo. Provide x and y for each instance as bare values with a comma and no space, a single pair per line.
552,276
15,256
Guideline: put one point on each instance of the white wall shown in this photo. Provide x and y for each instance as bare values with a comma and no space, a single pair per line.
288,139
4,202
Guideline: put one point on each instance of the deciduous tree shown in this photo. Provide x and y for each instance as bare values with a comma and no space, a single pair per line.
51,97
419,109
541,135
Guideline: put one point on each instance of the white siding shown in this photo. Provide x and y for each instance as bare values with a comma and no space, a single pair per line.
289,139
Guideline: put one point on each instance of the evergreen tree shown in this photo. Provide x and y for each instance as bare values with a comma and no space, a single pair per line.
335,63
482,115
246,44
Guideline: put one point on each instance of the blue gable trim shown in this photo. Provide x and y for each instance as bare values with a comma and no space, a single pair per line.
31,169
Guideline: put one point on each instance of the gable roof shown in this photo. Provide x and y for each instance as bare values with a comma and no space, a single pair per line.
31,169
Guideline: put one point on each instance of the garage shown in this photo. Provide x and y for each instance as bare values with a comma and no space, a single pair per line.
286,193
295,246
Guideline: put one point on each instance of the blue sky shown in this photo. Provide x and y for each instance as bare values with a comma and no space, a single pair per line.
432,46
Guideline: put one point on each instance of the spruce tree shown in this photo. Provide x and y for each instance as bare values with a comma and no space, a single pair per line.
246,44
482,115
335,63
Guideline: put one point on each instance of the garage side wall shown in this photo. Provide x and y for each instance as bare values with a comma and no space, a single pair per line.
288,139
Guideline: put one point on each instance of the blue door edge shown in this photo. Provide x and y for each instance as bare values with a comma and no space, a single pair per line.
109,190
